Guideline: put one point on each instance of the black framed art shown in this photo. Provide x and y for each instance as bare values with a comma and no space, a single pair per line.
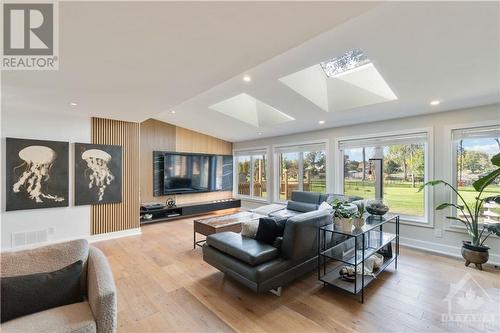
36,174
98,173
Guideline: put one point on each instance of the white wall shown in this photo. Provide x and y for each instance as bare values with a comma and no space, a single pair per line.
416,236
66,222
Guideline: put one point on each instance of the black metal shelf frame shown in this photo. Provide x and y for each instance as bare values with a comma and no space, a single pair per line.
367,235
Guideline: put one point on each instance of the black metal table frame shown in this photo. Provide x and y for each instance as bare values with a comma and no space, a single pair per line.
324,230
199,242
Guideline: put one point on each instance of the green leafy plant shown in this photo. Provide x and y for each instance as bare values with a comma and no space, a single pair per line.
345,210
471,213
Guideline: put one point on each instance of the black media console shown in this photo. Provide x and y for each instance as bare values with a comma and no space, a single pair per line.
166,213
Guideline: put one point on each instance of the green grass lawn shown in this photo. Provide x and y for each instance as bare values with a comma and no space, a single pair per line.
402,198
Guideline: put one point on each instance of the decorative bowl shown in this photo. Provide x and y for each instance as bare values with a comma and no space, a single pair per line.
376,207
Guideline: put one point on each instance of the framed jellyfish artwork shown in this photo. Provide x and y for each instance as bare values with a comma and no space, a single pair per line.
36,174
98,174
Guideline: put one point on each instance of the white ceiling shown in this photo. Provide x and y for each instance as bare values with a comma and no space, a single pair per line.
425,51
136,60
133,60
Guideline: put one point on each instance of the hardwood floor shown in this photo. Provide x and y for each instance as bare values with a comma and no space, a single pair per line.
164,286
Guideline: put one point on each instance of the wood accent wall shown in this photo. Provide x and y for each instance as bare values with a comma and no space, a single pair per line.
157,135
124,215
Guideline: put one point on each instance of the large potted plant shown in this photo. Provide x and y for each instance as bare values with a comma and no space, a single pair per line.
474,251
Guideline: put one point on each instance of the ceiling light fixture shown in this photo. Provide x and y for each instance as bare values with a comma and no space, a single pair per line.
260,133
247,78
172,112
73,104
321,122
436,102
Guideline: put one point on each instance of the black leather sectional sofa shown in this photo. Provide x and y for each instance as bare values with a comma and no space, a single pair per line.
263,267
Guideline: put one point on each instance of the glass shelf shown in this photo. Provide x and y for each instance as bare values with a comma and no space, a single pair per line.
374,241
333,277
371,222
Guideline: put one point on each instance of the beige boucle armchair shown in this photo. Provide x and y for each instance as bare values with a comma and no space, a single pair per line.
97,313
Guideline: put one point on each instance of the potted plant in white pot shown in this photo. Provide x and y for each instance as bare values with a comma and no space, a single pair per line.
346,215
474,251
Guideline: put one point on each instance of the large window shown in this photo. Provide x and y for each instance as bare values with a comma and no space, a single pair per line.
473,149
251,174
301,168
404,171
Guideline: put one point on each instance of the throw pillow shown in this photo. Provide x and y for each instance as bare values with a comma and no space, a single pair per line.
270,228
27,294
324,205
249,228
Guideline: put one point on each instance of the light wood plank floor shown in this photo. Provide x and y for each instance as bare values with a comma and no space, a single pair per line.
164,286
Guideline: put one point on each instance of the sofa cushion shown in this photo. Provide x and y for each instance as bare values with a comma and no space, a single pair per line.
307,197
302,207
300,239
75,317
285,213
27,294
245,249
270,228
268,209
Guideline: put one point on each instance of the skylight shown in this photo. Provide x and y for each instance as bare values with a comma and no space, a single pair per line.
345,82
250,110
346,62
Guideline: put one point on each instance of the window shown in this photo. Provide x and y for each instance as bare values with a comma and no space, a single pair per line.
301,168
404,171
251,173
473,149
346,62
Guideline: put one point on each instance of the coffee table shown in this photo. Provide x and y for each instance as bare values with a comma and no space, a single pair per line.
221,223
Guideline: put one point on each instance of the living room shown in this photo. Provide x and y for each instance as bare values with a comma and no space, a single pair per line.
215,166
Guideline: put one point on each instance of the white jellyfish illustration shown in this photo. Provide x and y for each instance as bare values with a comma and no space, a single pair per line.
97,161
38,161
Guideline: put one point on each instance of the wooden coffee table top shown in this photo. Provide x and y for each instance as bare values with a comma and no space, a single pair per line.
227,220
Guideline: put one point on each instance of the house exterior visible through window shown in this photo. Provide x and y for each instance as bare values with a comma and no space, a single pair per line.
404,171
473,149
300,168
251,174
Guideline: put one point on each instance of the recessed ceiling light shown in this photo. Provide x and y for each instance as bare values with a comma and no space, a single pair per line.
172,112
321,122
434,103
73,104
260,133
247,78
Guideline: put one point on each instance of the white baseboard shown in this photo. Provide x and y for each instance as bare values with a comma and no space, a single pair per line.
113,235
448,250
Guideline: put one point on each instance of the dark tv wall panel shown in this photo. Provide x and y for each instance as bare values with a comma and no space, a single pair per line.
158,173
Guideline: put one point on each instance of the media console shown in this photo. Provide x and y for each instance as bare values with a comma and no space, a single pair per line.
167,214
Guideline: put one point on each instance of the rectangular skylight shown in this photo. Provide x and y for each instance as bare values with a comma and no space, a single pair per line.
346,62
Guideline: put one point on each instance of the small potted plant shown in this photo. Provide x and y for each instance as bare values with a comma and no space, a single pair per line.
346,214
474,251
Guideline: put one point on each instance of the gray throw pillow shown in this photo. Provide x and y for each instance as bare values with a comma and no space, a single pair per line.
26,294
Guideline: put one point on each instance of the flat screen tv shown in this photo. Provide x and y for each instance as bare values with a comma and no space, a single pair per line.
186,173
178,173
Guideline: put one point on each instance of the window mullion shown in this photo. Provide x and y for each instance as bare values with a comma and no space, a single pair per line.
300,172
251,176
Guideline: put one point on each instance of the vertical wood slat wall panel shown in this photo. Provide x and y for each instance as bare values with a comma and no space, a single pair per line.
124,215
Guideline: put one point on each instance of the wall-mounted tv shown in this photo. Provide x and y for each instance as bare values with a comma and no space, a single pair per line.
178,173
